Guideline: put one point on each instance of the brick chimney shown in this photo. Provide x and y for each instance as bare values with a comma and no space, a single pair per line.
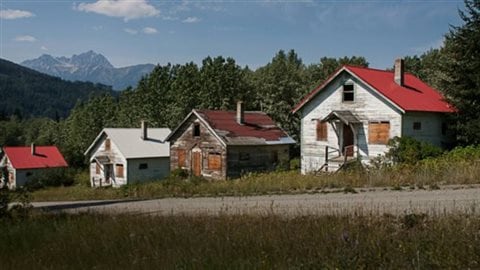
144,130
399,71
33,148
240,113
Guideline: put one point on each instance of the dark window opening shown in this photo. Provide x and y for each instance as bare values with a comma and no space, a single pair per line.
348,92
143,166
417,125
275,157
196,130
28,174
244,156
444,128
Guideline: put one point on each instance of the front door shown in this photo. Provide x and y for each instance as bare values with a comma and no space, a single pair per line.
108,173
197,163
347,141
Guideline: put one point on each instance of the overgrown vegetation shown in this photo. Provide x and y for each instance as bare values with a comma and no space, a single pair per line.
412,241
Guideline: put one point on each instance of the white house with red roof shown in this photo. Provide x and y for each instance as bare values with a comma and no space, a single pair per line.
225,144
20,164
357,110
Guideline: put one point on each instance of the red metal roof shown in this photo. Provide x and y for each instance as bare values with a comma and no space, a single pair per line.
256,125
45,157
414,95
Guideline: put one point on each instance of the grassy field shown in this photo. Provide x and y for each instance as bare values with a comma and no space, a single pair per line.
429,174
240,242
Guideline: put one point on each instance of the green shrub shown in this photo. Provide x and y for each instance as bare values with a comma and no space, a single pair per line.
408,150
54,177
295,164
179,173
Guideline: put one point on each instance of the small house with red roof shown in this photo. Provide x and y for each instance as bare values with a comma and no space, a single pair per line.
20,164
356,111
225,144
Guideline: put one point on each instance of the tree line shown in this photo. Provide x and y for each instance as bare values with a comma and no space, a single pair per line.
169,92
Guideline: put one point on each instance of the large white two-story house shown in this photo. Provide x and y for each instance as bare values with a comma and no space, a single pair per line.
355,112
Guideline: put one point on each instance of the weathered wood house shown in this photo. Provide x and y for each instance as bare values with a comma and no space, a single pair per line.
120,156
357,110
226,144
20,164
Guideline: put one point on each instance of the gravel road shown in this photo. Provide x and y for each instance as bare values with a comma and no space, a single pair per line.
447,200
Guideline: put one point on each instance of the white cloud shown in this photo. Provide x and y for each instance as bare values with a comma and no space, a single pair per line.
126,9
97,28
130,31
191,20
12,14
149,30
25,38
43,48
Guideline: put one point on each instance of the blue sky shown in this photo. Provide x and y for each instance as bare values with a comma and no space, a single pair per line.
145,31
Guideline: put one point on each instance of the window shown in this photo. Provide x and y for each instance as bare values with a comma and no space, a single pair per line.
119,170
107,145
196,130
143,166
28,174
181,157
378,132
348,92
243,156
274,156
214,161
444,128
321,131
417,125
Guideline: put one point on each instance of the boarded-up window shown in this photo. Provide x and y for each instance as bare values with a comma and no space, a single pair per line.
107,145
378,132
119,170
322,131
181,157
214,161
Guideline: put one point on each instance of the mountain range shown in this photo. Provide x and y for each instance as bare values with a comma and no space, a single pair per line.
89,66
28,93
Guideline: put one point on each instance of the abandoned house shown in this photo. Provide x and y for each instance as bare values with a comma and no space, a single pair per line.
225,144
355,112
120,156
21,164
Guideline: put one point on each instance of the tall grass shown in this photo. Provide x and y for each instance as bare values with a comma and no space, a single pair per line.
460,166
240,242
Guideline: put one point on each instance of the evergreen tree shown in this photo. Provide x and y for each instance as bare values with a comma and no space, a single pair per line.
461,70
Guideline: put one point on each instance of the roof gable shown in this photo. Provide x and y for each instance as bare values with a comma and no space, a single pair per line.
414,95
258,128
131,145
45,157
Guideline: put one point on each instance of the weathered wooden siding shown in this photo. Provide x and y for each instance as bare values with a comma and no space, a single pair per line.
115,156
205,143
243,159
156,169
431,128
367,106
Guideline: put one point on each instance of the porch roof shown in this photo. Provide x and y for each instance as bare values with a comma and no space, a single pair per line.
346,117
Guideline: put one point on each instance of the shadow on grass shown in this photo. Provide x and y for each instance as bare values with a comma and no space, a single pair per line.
79,205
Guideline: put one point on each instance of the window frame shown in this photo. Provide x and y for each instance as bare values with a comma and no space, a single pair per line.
321,131
196,130
417,126
218,163
119,168
352,92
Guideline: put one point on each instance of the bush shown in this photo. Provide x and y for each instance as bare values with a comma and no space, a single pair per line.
295,164
179,173
52,178
408,150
